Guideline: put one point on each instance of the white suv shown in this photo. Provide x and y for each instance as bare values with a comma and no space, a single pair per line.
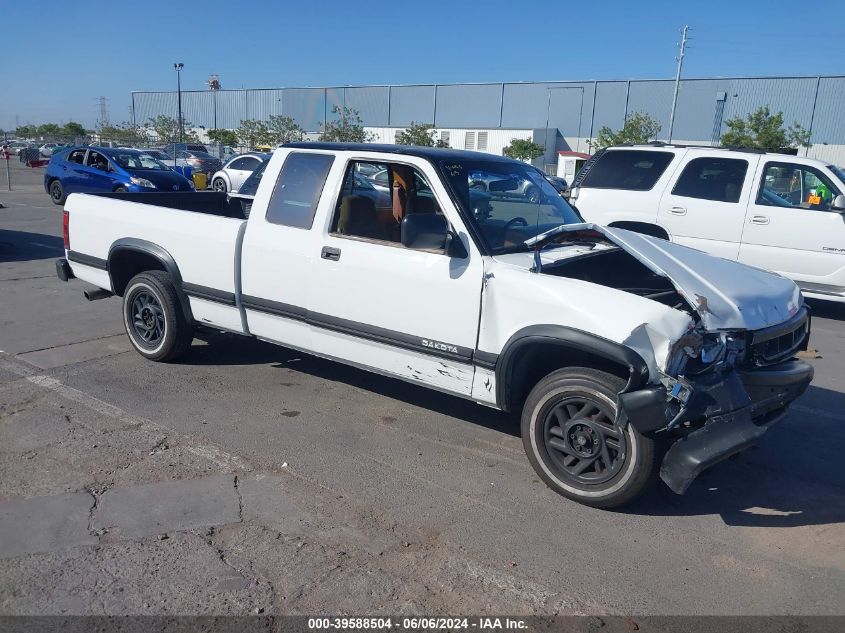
774,211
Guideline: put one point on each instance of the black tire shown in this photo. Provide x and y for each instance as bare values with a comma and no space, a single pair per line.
154,319
219,185
617,462
57,192
120,190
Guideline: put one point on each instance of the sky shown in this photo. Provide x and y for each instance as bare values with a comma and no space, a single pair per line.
55,70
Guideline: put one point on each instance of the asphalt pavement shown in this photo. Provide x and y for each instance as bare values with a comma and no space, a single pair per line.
250,478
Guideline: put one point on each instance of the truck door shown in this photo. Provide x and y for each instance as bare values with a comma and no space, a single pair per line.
791,227
704,206
407,312
277,260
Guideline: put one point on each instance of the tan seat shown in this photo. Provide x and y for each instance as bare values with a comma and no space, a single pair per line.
358,217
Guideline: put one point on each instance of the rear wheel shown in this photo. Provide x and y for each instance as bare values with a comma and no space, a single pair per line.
577,446
219,185
120,190
154,319
57,192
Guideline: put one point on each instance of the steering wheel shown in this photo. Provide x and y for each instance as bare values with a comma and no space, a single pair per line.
514,221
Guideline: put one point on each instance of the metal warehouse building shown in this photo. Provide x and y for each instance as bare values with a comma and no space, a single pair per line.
561,115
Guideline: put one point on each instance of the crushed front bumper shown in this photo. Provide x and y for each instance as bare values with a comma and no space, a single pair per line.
738,408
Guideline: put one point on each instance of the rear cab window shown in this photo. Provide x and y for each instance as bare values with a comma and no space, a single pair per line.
298,189
631,170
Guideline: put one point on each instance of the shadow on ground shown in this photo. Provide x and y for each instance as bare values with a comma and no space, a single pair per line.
793,478
232,349
826,310
21,246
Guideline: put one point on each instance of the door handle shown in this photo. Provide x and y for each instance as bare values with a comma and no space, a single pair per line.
759,219
330,253
677,210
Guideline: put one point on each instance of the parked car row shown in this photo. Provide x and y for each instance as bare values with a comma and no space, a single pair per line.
101,169
94,169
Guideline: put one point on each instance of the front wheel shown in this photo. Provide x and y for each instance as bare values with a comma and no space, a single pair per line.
577,446
154,319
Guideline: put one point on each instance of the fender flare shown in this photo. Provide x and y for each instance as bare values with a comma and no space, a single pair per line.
135,245
569,338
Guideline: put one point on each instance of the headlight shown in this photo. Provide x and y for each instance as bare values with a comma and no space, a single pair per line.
142,182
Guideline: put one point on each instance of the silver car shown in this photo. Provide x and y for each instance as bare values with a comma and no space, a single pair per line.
237,170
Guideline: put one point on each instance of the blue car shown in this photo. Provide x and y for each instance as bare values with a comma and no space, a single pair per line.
101,169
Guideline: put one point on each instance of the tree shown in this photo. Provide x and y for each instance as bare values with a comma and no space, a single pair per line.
49,129
420,134
26,131
523,149
125,133
764,130
166,128
349,128
73,129
638,128
283,129
253,132
223,136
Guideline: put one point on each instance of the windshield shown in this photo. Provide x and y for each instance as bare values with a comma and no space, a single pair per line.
509,202
137,162
250,186
840,173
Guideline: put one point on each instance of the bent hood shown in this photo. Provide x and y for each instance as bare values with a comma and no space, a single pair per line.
726,295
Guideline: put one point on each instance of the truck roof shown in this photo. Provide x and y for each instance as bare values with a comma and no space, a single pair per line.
429,153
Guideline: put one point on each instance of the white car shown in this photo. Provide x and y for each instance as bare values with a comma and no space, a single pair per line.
46,150
613,345
236,171
778,212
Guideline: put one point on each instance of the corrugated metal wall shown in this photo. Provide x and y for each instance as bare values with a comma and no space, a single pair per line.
576,109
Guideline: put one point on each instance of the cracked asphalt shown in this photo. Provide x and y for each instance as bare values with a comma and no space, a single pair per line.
252,479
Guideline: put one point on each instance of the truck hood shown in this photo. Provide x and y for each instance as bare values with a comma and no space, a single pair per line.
726,295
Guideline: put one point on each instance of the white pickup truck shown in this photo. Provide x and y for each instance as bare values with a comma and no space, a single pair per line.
775,211
614,345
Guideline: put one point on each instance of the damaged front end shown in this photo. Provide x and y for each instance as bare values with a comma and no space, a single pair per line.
719,377
719,394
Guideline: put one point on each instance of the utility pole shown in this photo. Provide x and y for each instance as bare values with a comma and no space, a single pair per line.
683,46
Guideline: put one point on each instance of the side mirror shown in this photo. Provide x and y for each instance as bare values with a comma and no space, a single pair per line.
838,204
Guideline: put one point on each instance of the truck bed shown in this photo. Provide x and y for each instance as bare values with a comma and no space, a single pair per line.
195,229
209,203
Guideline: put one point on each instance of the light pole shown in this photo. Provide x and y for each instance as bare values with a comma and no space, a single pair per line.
178,68
214,86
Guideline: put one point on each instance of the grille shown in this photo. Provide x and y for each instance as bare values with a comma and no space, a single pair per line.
776,344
